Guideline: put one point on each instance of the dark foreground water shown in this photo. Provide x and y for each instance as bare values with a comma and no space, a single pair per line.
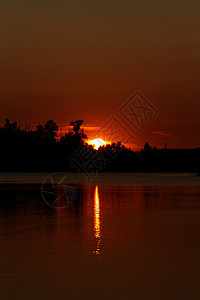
138,239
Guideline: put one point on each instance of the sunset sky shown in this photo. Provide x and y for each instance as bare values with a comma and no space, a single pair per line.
67,60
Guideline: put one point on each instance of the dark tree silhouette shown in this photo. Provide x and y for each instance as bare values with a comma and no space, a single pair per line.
40,131
11,126
76,137
50,131
77,128
147,148
9,131
40,150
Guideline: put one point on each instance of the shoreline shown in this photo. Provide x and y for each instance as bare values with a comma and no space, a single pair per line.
100,178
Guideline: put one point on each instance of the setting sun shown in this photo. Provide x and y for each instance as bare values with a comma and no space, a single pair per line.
96,143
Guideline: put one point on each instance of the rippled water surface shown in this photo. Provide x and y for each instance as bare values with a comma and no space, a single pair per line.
121,236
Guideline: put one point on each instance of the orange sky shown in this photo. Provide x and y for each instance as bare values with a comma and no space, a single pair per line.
82,59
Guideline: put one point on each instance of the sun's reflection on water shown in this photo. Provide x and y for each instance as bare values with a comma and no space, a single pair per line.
97,221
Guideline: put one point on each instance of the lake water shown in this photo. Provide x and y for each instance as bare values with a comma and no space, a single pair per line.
120,236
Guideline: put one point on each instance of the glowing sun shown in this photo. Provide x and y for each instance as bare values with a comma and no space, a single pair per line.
96,143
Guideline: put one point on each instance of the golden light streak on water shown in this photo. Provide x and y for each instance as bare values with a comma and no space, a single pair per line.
97,221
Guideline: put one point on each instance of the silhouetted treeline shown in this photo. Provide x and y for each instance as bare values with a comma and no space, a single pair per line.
40,150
